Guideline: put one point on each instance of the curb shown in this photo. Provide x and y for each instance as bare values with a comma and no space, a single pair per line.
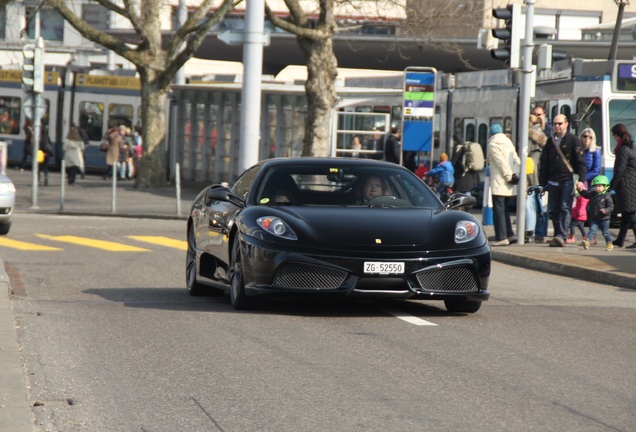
586,274
15,414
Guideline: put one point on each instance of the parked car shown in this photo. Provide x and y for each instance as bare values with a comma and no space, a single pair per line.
309,225
7,203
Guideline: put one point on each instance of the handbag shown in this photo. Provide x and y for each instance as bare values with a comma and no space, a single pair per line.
103,146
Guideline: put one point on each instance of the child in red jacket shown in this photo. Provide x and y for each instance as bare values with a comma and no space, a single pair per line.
579,216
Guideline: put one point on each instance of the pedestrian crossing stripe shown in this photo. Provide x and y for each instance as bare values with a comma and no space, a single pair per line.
162,241
16,244
99,244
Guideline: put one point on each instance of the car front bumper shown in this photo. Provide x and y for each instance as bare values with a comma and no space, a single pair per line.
443,275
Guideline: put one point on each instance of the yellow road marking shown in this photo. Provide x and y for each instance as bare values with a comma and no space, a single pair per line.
15,244
162,241
99,244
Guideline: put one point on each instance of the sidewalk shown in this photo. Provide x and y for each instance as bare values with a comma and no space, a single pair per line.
94,196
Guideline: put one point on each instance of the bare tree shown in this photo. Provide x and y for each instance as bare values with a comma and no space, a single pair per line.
156,66
315,38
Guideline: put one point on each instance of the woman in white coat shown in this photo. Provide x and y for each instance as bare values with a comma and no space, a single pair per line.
504,175
73,154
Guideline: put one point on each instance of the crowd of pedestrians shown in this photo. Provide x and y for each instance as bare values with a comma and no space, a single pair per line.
566,168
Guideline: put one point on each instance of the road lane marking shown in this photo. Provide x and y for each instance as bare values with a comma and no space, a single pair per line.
162,241
408,318
98,244
15,244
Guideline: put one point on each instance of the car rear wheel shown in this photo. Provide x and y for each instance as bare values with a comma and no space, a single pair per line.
462,306
4,228
239,299
194,287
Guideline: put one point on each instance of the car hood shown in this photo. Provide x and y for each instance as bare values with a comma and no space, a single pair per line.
363,226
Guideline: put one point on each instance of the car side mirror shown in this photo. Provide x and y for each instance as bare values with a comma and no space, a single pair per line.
460,201
222,193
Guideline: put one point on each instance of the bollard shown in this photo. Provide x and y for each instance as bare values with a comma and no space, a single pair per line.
486,214
113,206
177,180
62,183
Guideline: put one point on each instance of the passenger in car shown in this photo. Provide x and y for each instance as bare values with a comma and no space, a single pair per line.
283,196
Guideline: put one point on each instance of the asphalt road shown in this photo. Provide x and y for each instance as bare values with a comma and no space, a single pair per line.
112,342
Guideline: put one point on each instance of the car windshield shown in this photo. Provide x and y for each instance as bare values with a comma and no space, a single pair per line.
345,185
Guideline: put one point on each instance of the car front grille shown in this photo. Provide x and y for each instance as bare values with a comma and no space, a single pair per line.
302,275
449,279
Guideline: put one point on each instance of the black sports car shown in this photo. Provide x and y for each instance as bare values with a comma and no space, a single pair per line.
339,226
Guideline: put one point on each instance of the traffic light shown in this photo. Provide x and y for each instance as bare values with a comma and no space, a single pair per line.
511,34
546,56
33,67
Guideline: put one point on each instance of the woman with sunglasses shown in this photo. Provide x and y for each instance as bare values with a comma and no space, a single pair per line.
592,155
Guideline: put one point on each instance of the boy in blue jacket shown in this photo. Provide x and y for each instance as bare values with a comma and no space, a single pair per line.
445,172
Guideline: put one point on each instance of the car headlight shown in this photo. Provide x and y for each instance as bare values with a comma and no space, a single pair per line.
466,231
276,226
6,187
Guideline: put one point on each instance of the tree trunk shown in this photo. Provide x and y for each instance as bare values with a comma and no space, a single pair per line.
153,117
322,70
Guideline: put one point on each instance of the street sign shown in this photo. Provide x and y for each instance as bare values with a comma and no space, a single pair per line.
419,109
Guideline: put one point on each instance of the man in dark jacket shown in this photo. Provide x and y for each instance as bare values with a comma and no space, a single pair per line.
562,157
392,148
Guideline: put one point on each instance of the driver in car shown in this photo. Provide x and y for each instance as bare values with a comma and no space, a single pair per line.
371,187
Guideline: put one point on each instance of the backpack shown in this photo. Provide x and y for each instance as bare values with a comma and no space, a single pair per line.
473,159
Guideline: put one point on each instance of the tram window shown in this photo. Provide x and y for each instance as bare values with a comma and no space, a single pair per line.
119,114
589,115
621,111
91,119
483,135
470,132
566,110
507,124
10,115
457,127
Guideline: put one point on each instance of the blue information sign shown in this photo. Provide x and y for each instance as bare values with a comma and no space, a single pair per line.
419,109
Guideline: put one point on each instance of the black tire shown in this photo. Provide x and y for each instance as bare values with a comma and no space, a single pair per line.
193,286
4,228
239,299
462,306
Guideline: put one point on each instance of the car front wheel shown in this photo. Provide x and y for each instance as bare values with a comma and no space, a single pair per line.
462,306
4,228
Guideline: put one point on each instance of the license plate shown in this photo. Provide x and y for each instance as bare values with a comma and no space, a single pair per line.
377,267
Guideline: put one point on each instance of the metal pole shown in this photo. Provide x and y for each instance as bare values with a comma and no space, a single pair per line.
177,178
617,29
182,17
524,115
35,139
252,71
